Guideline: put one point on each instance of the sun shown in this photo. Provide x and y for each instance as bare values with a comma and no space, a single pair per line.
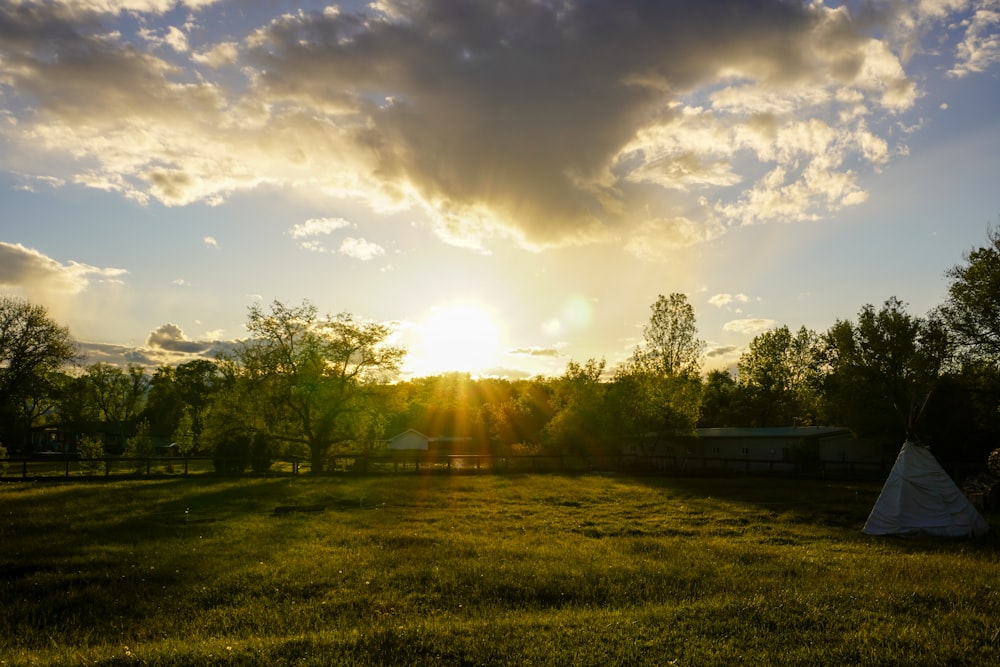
460,336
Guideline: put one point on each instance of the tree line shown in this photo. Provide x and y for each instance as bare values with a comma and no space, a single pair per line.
314,385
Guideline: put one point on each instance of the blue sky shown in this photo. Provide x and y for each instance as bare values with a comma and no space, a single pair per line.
510,184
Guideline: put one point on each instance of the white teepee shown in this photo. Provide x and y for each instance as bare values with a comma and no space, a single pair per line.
919,498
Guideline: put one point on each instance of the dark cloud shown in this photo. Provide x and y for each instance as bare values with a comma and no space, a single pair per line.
521,108
659,123
170,337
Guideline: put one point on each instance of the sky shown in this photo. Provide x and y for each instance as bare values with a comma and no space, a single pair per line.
510,185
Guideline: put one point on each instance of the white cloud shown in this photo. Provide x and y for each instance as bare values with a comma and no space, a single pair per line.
980,48
724,299
360,249
318,227
210,241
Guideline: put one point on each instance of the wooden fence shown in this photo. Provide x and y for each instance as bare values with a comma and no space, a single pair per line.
57,466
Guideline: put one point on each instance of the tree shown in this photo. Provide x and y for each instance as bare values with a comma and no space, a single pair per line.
33,348
658,390
972,310
183,392
579,425
782,376
115,396
671,343
885,367
309,378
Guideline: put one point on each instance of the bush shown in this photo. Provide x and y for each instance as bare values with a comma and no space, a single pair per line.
232,454
140,446
90,448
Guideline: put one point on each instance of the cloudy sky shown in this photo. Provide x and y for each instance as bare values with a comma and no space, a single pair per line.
511,183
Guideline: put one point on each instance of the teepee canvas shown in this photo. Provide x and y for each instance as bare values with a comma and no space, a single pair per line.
919,498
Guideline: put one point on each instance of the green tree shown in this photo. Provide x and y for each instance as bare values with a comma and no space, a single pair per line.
140,446
115,396
33,349
579,424
183,391
671,343
782,375
723,402
884,368
972,310
658,390
312,378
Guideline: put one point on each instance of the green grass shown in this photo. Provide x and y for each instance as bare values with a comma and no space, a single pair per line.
481,570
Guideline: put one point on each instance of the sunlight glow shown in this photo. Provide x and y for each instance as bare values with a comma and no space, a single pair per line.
460,336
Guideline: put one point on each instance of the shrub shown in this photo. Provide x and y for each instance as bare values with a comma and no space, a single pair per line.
232,453
140,446
90,448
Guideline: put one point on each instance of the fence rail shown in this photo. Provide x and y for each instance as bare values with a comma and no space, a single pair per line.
69,466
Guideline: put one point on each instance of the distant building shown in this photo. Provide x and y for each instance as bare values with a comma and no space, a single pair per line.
777,448
412,440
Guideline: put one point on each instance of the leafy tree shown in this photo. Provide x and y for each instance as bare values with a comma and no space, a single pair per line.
140,445
643,402
310,378
658,389
115,396
884,368
671,343
579,425
972,310
782,376
183,392
519,418
723,402
33,348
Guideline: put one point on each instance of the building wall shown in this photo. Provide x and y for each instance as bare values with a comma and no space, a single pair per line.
409,440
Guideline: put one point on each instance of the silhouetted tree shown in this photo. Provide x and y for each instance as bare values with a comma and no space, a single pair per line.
884,368
308,377
33,348
972,310
781,374
579,425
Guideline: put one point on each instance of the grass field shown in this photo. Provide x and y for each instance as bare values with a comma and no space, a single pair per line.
481,570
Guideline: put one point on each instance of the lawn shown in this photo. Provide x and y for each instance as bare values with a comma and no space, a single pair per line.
481,570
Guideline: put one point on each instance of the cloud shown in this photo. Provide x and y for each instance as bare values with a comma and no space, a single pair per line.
749,325
170,337
39,276
536,352
210,242
980,48
722,351
360,249
654,125
318,227
720,300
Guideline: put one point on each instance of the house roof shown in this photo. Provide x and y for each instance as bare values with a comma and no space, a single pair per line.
428,438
